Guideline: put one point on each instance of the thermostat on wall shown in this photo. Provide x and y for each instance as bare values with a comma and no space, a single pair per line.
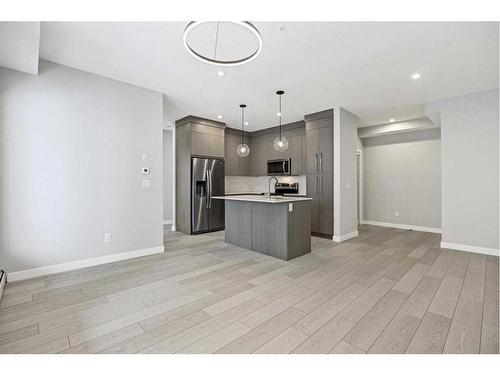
145,170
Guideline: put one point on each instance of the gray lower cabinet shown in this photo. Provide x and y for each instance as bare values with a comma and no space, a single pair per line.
320,189
326,204
269,228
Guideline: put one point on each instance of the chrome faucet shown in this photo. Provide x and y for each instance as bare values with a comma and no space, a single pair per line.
269,186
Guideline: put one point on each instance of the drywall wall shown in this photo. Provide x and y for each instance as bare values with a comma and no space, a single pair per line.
469,169
19,46
402,176
71,146
168,183
345,144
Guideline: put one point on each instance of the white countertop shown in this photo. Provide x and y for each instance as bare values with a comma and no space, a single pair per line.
263,199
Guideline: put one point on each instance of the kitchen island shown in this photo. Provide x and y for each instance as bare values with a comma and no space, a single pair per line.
276,226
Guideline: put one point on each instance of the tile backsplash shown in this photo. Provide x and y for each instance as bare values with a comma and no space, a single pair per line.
244,184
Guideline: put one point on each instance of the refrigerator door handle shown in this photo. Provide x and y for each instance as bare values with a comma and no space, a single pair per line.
210,188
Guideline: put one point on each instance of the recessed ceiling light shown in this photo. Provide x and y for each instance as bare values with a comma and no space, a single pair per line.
391,120
246,122
220,73
415,76
219,116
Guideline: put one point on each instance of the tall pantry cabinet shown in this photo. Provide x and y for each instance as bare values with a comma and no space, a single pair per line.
319,168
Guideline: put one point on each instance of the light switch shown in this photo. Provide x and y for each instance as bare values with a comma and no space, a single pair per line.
145,158
290,207
348,185
146,183
396,213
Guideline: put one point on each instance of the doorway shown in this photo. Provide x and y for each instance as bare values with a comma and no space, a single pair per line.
359,185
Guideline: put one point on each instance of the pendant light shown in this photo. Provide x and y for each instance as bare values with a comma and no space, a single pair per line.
242,150
280,144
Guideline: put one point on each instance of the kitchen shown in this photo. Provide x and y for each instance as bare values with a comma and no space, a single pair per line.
230,166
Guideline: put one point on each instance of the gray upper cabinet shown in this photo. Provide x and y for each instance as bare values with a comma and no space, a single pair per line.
261,152
326,149
296,153
313,147
199,144
262,148
207,140
236,165
319,138
216,146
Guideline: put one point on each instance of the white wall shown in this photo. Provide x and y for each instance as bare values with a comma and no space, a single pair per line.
402,172
469,168
168,183
70,167
345,139
19,46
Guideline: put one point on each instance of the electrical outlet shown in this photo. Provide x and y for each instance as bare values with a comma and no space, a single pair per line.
396,213
146,184
107,237
290,207
145,158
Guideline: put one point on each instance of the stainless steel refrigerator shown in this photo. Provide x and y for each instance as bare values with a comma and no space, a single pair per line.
207,181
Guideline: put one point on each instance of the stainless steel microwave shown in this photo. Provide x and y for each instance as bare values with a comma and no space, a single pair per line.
279,167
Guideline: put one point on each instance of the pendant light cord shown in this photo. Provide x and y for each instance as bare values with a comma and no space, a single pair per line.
216,39
281,114
242,123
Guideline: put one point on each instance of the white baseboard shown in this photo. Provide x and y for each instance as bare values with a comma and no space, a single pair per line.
472,249
77,264
402,226
345,237
167,222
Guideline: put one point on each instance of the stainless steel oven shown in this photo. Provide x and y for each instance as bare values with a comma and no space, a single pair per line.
279,167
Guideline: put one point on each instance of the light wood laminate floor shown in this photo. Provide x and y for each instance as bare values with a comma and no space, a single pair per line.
386,291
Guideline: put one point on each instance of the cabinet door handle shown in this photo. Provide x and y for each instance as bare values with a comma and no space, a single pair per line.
316,185
321,162
316,163
320,185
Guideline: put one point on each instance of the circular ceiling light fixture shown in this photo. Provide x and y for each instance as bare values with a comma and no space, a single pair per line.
214,61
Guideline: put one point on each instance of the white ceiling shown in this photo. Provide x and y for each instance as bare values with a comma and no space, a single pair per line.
364,67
